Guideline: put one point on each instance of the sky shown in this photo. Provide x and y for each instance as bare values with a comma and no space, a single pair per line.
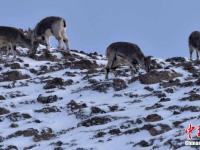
159,27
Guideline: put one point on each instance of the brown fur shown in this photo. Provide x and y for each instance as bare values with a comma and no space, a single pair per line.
125,53
194,43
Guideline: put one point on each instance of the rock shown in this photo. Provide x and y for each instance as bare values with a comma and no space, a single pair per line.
58,148
68,82
155,106
46,134
113,108
97,120
100,134
101,87
154,132
132,131
1,140
159,94
176,59
119,84
93,81
84,64
192,97
26,133
153,118
16,116
47,99
155,64
169,90
174,143
190,67
48,110
164,99
76,106
14,125
3,111
148,88
190,108
46,55
170,83
2,97
70,74
11,147
56,82
114,131
197,82
12,76
144,143
13,66
32,70
187,84
157,76
97,110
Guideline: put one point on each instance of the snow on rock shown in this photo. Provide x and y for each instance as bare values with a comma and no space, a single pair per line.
61,100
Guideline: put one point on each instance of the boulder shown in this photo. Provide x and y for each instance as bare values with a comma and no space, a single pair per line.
12,76
158,76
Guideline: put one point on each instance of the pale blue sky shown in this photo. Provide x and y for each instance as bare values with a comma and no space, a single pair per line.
160,27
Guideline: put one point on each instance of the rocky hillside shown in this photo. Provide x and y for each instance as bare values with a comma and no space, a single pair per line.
61,101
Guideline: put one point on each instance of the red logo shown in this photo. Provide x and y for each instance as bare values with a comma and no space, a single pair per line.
190,129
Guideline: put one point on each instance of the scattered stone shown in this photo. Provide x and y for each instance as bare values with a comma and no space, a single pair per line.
47,99
11,147
164,99
76,106
97,110
70,74
113,108
68,82
132,131
4,111
2,97
192,97
101,87
84,64
187,84
114,131
26,133
153,118
158,76
170,83
144,143
55,82
13,66
159,94
100,134
169,90
16,116
97,120
190,108
176,59
14,125
148,88
12,76
117,95
45,134
154,131
155,106
46,110
175,143
119,84
197,82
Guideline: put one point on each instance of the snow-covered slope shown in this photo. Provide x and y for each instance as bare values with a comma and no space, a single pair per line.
61,101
